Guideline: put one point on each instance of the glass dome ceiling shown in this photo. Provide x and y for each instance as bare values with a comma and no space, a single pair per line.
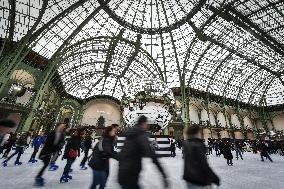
232,48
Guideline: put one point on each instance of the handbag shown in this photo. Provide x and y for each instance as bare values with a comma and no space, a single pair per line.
72,153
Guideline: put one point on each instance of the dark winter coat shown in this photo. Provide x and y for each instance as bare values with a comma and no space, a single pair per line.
263,149
73,143
22,141
196,168
136,146
11,141
87,143
226,151
49,146
101,154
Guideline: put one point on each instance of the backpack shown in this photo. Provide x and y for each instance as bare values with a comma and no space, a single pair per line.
93,159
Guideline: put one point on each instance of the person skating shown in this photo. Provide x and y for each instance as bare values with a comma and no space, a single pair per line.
227,152
87,144
56,154
6,126
4,142
103,151
238,147
173,148
136,146
72,151
21,143
10,143
36,144
264,151
197,172
51,145
217,146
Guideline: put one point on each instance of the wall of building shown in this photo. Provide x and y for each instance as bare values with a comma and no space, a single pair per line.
221,119
96,108
278,121
193,114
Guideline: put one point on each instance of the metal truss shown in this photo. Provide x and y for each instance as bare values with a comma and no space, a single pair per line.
230,48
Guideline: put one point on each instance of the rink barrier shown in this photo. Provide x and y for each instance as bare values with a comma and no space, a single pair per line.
162,140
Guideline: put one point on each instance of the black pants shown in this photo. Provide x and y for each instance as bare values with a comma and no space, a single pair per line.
130,186
229,162
173,152
55,155
19,150
45,161
7,151
35,152
86,152
68,166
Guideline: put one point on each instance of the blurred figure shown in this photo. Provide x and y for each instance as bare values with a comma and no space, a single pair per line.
136,146
51,145
173,148
227,152
263,148
197,173
6,126
10,143
58,152
4,142
103,151
87,145
154,144
21,143
238,150
72,151
217,146
37,141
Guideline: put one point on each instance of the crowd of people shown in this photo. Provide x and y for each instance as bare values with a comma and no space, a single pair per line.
70,143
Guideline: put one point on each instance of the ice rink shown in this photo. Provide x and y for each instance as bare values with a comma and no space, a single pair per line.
250,173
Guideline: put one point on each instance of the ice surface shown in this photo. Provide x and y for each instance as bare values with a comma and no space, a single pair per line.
250,173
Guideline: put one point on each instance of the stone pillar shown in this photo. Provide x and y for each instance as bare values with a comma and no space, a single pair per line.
206,133
238,135
224,134
250,135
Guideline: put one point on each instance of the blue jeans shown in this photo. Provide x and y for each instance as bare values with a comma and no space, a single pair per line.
239,153
131,186
99,178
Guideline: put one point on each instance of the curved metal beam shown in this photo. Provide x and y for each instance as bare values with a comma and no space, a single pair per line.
151,31
217,69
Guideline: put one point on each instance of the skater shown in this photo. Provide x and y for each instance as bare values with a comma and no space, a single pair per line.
226,150
4,142
154,144
99,162
6,126
10,143
217,146
264,151
72,151
238,150
51,145
87,145
197,172
136,146
173,148
36,144
21,143
56,154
